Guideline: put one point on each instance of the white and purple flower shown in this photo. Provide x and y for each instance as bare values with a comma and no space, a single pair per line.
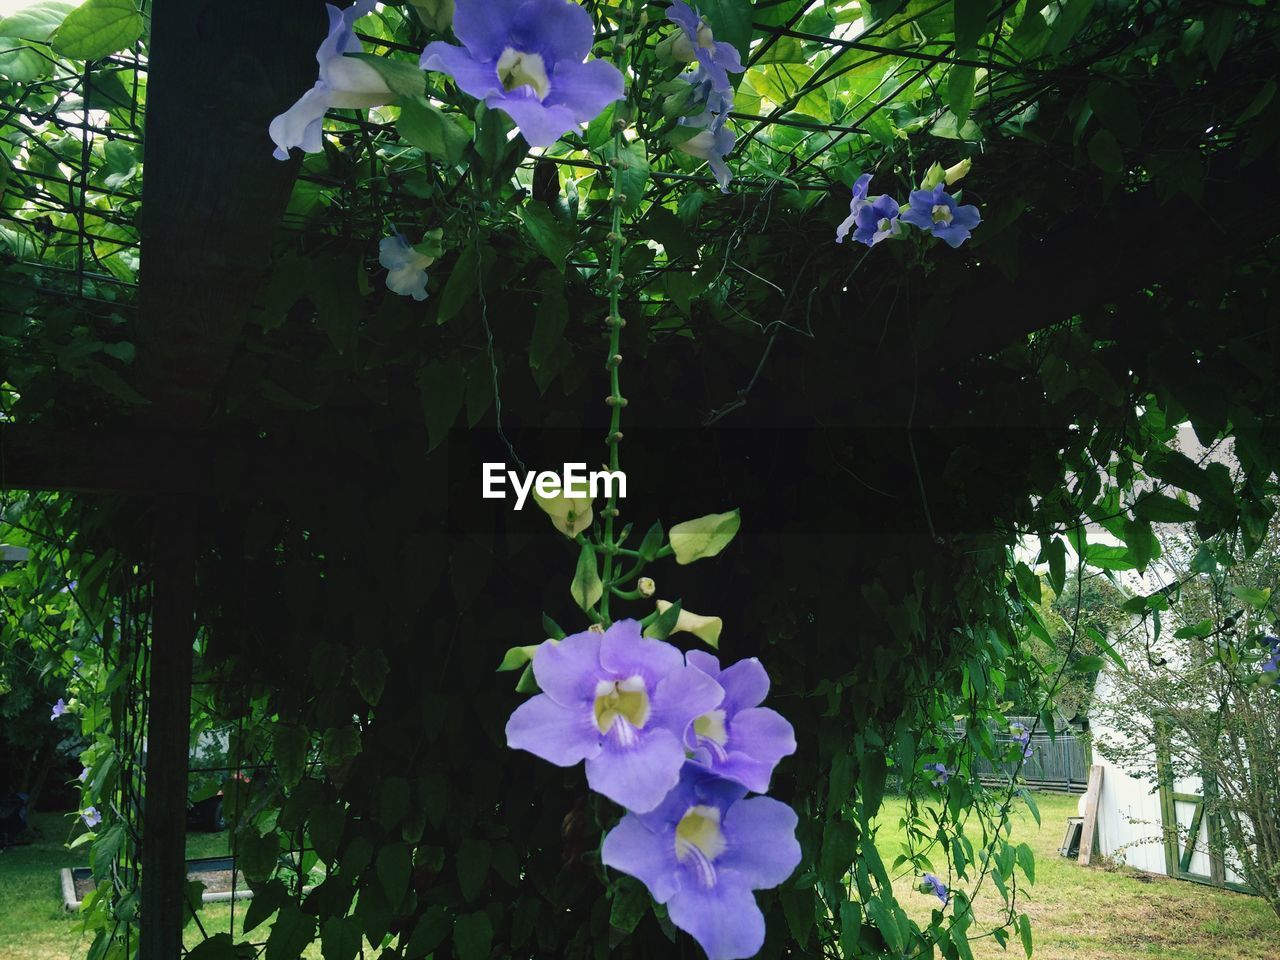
940,773
525,58
91,817
711,143
344,82
938,888
716,59
621,702
739,740
59,709
702,852
937,212
406,267
875,218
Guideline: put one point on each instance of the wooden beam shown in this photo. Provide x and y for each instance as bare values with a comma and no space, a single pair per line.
164,816
1091,798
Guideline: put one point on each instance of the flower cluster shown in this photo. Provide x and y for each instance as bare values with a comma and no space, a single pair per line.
940,773
711,94
523,57
930,209
678,742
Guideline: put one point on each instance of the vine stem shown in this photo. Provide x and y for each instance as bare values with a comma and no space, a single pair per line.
614,321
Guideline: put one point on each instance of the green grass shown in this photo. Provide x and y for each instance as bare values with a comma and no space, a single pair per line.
1079,913
1102,913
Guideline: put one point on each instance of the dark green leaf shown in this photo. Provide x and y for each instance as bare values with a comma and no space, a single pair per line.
551,236
473,936
394,866
291,934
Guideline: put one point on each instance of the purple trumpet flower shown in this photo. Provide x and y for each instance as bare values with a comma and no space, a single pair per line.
716,59
938,887
875,218
344,82
59,709
937,212
619,701
739,740
525,58
91,817
1272,665
702,852
1020,733
713,141
940,773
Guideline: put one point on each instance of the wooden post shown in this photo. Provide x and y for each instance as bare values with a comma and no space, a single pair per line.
164,834
1090,814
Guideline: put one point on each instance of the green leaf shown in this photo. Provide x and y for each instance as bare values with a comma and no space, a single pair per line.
730,21
1057,557
106,848
550,235
393,801
549,351
1024,931
631,171
630,902
339,745
217,947
970,24
1219,27
666,621
267,899
652,542
1087,664
324,828
291,934
257,854
394,866
1072,15
1028,582
290,744
1160,508
431,130
703,537
401,76
587,587
473,866
839,846
1116,109
552,629
959,90
473,936
340,938
37,21
1256,598
369,669
97,29
462,285
1105,152
882,915
429,933
443,385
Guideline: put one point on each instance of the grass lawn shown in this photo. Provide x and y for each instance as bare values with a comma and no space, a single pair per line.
1079,913
1094,913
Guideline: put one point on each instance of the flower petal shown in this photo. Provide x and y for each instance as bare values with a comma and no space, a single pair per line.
725,919
966,216
540,125
625,653
301,125
484,26
585,88
641,853
554,733
681,696
557,29
762,847
745,684
568,671
706,662
638,776
763,735
476,77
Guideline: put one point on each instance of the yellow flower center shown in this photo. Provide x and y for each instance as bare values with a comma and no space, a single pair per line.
624,700
699,841
941,213
517,69
710,726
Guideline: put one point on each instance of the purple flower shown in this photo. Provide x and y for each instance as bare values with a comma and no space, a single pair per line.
84,774
1272,665
524,57
344,82
938,887
406,267
940,773
619,701
937,212
739,740
716,59
91,817
711,143
702,852
876,218
59,709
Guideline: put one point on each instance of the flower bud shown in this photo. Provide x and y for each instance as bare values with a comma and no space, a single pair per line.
957,171
706,629
646,586
932,177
